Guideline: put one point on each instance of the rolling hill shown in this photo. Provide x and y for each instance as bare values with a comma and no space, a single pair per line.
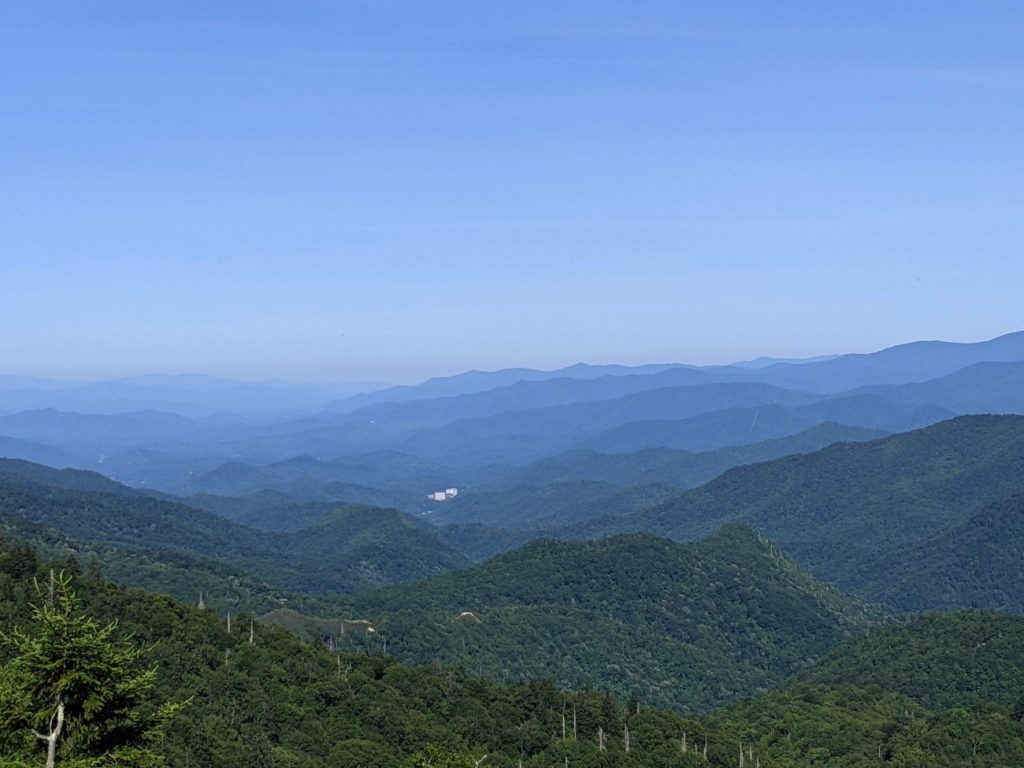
750,425
979,564
306,706
683,625
940,660
159,544
842,509
671,466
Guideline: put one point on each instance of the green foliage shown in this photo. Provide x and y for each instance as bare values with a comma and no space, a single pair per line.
278,702
850,510
173,548
671,467
977,564
685,626
78,684
433,756
560,503
939,660
850,727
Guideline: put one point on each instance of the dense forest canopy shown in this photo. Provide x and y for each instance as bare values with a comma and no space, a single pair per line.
256,696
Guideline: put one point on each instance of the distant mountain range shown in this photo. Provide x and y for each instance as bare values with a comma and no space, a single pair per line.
187,395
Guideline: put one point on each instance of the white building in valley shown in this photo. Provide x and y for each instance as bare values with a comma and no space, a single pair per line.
447,493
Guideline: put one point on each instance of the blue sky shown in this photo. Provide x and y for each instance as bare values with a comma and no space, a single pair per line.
391,190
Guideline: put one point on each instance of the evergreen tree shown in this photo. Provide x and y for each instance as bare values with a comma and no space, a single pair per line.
76,690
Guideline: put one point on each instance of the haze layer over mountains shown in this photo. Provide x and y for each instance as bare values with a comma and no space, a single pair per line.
190,434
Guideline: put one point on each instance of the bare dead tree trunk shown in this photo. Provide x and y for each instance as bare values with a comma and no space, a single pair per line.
741,754
563,724
229,622
682,743
56,727
574,722
252,632
600,739
705,747
625,737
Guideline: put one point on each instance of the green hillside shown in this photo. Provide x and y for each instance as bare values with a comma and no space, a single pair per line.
276,702
558,503
680,625
174,548
674,467
841,510
266,699
826,727
584,485
979,564
939,660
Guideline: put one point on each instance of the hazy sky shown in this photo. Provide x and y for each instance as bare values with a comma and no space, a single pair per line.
343,190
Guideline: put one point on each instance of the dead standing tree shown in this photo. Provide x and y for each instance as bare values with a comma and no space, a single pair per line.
56,728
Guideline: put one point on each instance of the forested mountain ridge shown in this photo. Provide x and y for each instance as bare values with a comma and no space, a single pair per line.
305,477
940,660
841,509
1000,386
940,690
671,466
519,436
899,364
979,564
826,726
259,697
583,485
913,362
156,543
683,625
67,479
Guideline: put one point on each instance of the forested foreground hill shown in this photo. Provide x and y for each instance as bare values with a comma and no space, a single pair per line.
943,689
940,660
273,701
680,625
